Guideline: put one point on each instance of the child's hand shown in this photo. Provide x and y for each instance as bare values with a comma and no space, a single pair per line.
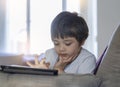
39,64
62,63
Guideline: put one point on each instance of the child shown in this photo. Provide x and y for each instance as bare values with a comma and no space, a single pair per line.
68,33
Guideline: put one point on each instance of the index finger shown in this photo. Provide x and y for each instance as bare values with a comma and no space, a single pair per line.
36,60
29,64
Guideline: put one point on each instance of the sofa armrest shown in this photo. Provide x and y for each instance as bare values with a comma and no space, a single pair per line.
62,80
11,59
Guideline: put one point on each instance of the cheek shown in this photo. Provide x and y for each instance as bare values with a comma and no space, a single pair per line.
74,49
56,49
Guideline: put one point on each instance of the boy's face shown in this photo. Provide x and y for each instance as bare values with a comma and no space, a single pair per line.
67,48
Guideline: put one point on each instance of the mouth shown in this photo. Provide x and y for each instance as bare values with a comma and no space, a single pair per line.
63,56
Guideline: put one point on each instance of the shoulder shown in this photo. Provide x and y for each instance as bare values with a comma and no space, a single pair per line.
85,51
51,53
85,54
51,57
87,60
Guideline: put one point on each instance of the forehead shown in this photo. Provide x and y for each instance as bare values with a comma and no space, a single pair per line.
65,38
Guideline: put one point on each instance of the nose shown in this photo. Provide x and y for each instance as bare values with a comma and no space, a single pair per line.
61,48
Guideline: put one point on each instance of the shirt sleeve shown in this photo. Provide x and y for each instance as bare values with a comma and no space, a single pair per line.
51,57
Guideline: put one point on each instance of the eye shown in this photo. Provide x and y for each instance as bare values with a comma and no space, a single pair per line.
56,43
68,43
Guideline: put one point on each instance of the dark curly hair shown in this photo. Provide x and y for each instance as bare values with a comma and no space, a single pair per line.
67,24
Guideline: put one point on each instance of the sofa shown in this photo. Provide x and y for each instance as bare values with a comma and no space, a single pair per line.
107,74
109,69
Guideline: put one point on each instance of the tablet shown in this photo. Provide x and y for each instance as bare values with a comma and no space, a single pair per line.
27,70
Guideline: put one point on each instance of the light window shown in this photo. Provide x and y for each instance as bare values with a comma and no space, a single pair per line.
16,26
29,20
41,16
28,23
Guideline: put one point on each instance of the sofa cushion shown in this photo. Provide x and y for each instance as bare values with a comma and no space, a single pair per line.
109,69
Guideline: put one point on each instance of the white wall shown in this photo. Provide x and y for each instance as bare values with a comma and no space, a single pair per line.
2,24
108,18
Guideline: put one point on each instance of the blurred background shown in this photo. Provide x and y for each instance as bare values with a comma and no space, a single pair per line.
25,24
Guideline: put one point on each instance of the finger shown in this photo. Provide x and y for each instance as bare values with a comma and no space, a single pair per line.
36,60
29,64
68,60
65,61
42,61
60,59
48,64
72,58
